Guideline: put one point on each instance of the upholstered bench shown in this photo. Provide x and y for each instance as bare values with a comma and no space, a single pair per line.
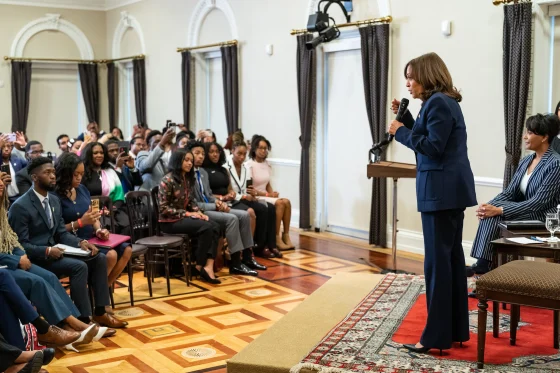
526,283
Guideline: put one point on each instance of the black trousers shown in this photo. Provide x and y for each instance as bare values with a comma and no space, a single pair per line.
446,283
207,234
265,231
8,354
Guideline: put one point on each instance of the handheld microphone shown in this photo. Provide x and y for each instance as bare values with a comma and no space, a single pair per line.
402,109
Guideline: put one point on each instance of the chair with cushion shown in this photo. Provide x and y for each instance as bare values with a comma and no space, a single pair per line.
520,283
137,250
187,246
141,215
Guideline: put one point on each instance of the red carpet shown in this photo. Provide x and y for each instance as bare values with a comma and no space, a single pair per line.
532,339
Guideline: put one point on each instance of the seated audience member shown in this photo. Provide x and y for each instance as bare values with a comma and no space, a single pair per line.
75,200
63,142
15,308
153,164
533,191
17,360
42,288
15,164
36,218
235,138
265,234
181,140
555,143
123,164
117,134
260,171
33,150
137,144
206,136
93,131
101,180
222,187
179,214
237,222
18,151
75,146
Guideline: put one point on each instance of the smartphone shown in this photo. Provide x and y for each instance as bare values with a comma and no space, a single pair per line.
124,147
95,205
249,183
5,168
11,137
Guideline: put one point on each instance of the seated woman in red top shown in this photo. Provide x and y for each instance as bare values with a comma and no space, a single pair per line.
179,214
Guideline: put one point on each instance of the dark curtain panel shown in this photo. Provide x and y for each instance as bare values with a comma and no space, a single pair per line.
307,95
90,90
186,75
517,70
375,66
231,87
139,69
112,93
21,86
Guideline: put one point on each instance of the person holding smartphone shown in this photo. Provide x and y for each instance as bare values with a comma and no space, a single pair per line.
179,213
10,165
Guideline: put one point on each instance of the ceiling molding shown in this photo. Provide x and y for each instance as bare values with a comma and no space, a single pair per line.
127,21
99,5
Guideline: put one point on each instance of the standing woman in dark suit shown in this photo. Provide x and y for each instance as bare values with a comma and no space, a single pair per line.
444,188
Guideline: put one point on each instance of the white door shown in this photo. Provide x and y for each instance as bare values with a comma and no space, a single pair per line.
347,141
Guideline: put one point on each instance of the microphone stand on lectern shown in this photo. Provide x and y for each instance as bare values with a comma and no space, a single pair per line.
394,170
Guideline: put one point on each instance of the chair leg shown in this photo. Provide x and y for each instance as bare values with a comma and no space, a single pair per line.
482,314
148,268
514,322
184,249
555,329
130,277
166,259
496,319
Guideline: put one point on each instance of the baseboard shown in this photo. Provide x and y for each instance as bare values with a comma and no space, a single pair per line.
407,240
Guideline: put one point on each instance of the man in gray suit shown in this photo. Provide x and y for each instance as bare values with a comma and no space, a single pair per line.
153,164
237,222
36,218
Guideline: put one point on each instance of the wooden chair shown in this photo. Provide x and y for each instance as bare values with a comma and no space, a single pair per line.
137,250
520,283
187,247
141,213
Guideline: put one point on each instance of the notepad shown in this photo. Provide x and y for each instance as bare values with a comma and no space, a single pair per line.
73,251
523,240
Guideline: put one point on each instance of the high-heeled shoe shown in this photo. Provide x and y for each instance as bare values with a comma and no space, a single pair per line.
206,277
86,336
421,350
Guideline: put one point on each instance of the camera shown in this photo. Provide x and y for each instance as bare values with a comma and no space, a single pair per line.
320,22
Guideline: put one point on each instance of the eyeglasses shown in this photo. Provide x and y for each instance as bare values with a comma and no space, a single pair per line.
261,148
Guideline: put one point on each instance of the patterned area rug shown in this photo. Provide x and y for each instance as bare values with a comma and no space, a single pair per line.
370,338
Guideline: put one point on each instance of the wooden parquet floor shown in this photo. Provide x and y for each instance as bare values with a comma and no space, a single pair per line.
198,328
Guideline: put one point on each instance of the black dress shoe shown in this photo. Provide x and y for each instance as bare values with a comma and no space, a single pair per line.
242,269
253,264
34,365
421,350
48,355
206,277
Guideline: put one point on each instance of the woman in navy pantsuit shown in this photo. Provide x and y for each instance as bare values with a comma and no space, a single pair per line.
444,188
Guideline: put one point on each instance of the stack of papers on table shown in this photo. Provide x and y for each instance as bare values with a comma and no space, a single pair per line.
523,240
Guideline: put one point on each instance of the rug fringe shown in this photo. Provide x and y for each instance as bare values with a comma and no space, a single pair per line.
316,368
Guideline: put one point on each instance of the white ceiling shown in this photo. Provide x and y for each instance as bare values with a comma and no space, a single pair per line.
72,4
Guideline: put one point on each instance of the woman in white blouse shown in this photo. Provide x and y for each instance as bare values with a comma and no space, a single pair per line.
240,175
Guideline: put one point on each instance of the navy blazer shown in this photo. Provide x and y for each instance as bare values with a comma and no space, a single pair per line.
439,138
29,221
542,195
17,164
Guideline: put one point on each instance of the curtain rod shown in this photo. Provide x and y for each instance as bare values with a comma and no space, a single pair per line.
104,61
387,19
221,44
500,2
